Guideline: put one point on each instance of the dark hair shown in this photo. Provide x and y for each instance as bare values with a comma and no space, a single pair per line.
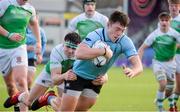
164,15
73,37
174,1
86,1
120,17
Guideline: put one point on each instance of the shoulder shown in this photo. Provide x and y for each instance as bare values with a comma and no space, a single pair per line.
100,15
79,17
93,36
97,32
173,31
124,39
177,18
30,8
156,32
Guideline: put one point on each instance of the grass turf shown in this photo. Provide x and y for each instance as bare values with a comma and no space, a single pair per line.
119,94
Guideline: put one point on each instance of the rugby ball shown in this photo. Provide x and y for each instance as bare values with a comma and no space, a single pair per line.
100,60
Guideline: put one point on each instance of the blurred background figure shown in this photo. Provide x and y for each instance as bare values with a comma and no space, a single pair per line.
33,58
174,8
89,20
16,15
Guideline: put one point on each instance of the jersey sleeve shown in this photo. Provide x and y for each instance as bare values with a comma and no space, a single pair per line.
43,40
73,24
91,38
177,36
55,58
105,20
128,47
150,39
30,8
3,6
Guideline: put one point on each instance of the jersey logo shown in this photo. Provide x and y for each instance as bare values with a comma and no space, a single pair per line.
87,39
18,59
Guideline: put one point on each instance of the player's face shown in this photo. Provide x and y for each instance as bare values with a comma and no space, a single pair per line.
22,2
164,23
174,9
115,30
89,8
69,51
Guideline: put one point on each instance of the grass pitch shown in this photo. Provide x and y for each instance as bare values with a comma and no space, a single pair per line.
119,94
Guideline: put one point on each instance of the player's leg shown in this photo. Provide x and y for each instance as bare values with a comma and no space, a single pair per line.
20,77
56,101
72,92
36,91
177,79
31,72
170,68
10,84
69,100
19,73
169,94
12,89
86,100
42,83
161,78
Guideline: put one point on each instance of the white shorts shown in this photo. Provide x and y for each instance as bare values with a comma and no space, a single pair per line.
177,57
164,70
44,79
10,58
61,86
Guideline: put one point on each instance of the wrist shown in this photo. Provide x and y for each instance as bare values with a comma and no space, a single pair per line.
9,35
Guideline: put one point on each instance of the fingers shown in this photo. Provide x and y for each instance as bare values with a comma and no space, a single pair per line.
16,37
128,71
109,52
124,66
70,75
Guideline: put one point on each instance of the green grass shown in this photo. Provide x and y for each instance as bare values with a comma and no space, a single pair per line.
119,94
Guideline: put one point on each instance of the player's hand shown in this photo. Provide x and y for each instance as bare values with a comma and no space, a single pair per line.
15,37
30,48
39,59
38,49
128,71
100,80
70,75
108,52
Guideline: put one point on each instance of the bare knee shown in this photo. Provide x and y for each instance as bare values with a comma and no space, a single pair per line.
85,103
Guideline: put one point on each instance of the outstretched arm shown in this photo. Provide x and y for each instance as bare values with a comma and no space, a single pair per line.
136,67
141,50
34,25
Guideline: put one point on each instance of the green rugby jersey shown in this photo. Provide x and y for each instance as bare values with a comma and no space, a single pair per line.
175,23
164,44
59,59
85,25
14,18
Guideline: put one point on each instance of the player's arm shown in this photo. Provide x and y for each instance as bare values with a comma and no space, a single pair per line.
3,32
58,78
100,80
141,50
11,36
85,52
178,45
136,67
